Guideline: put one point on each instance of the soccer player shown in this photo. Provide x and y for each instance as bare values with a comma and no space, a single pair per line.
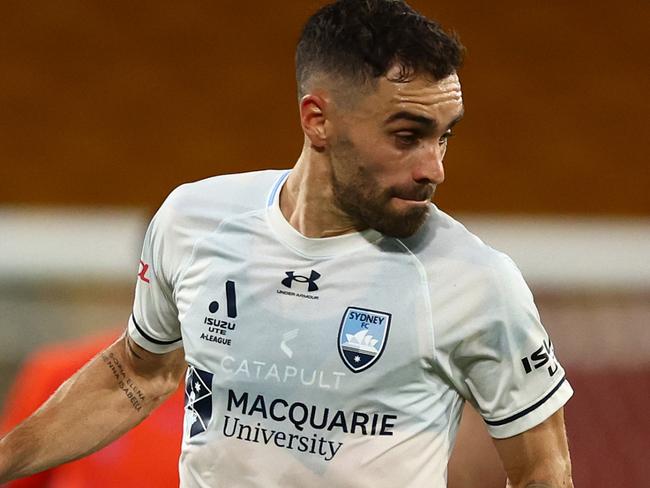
332,319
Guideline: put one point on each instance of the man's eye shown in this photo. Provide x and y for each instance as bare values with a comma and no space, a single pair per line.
407,138
445,137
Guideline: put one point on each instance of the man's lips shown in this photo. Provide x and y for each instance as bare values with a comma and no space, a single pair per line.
416,197
411,202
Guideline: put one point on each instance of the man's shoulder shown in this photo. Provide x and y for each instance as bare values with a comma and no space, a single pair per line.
444,237
223,194
450,253
194,210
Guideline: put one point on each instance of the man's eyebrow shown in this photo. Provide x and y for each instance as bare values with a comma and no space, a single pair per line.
404,115
421,119
457,119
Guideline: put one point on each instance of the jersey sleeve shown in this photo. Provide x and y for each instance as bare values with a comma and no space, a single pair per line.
505,365
154,323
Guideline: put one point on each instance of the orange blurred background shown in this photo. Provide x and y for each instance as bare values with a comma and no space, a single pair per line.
115,103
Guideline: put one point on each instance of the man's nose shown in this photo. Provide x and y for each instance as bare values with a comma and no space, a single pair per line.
429,168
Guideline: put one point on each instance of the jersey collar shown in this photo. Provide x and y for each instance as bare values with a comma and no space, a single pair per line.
308,246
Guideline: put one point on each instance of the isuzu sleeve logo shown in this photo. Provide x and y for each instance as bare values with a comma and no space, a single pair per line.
543,356
362,337
292,276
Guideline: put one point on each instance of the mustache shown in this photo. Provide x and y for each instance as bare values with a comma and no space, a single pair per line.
420,193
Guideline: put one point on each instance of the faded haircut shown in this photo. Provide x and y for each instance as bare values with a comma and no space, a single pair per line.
359,41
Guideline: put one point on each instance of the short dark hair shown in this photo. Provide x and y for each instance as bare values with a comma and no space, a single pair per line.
361,40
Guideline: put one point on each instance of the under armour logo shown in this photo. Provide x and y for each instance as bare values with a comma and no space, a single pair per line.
291,277
144,267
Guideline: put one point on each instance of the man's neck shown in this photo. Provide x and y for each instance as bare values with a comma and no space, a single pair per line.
307,200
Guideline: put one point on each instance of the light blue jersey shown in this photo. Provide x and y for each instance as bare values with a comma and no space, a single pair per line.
334,362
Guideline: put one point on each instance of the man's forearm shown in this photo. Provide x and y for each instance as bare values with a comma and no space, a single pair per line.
539,457
102,401
566,483
555,475
544,485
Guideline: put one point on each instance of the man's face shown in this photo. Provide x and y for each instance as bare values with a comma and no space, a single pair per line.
387,151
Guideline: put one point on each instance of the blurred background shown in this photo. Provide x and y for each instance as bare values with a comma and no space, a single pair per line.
105,107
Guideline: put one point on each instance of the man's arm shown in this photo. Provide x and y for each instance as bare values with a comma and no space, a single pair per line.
110,395
539,457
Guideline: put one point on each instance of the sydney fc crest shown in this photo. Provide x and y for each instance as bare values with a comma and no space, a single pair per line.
362,337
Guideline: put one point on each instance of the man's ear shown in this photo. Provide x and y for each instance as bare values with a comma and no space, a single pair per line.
312,119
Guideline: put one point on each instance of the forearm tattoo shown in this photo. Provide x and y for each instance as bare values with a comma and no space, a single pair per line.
126,384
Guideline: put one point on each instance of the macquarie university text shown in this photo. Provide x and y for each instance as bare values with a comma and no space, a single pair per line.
301,416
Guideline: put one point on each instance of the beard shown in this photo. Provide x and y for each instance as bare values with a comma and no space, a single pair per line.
358,195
